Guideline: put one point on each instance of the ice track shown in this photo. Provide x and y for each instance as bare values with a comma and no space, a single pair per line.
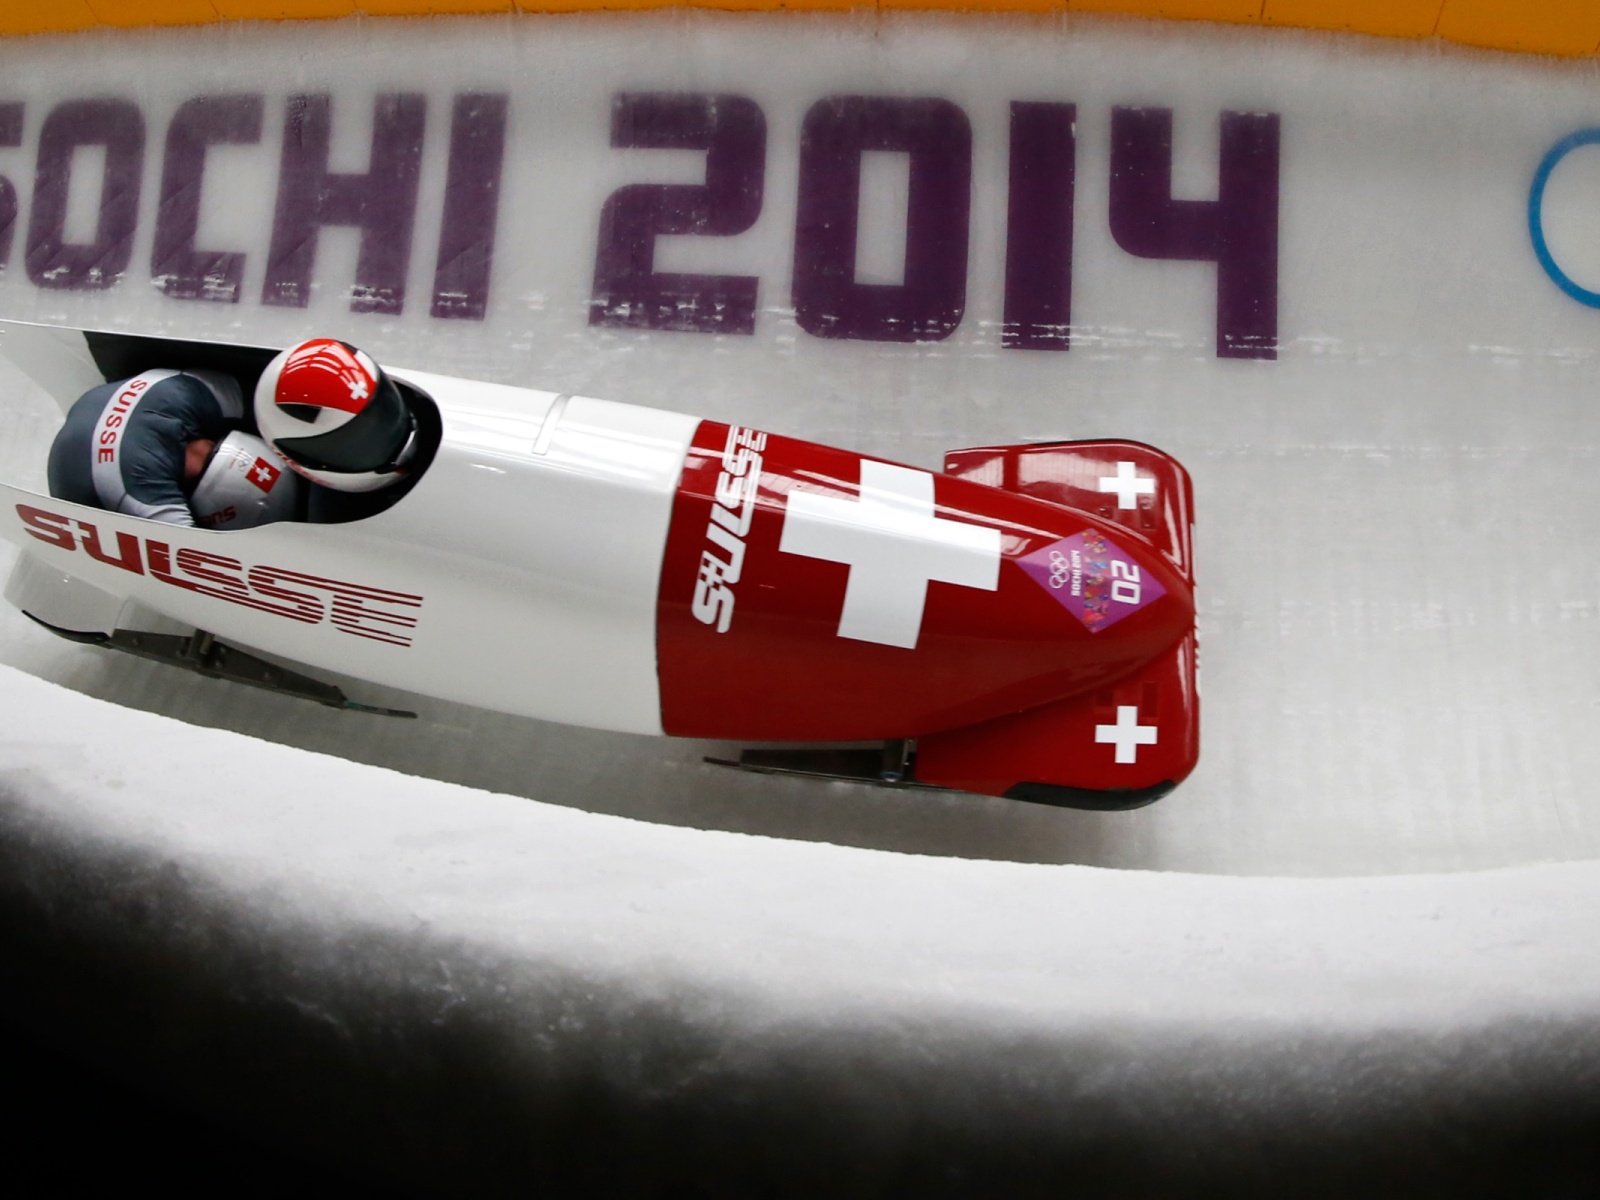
478,952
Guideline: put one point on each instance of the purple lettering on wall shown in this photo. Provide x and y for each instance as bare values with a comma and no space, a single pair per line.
183,271
10,136
52,261
471,206
628,291
928,304
1238,230
1038,306
381,203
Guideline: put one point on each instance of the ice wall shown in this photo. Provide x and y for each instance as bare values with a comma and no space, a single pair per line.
447,989
1379,383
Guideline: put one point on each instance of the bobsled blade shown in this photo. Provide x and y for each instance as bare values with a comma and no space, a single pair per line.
82,637
378,710
201,653
892,765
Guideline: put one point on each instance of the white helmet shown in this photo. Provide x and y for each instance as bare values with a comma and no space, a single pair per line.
331,411
246,483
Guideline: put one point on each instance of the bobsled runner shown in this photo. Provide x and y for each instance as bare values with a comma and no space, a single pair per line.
1019,625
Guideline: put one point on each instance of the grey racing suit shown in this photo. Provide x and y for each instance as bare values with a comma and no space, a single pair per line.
123,445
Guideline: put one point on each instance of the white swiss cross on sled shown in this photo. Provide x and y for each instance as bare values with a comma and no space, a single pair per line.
1127,735
1128,484
263,474
895,547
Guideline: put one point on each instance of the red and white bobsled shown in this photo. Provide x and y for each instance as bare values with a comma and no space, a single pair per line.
1020,625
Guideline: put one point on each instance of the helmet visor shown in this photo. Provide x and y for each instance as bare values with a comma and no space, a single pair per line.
370,441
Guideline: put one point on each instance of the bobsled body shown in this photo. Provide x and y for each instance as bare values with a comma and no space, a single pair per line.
874,599
600,564
520,573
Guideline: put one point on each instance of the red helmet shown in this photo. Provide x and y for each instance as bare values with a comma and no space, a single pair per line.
332,412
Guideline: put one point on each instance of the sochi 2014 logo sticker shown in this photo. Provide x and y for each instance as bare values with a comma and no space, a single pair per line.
1092,578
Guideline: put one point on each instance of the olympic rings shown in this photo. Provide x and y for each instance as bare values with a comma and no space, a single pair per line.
1060,569
1541,250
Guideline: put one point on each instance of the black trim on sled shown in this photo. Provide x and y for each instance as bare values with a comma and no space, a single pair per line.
893,765
120,355
1119,800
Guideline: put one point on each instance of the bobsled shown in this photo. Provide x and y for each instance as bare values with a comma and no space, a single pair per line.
1019,624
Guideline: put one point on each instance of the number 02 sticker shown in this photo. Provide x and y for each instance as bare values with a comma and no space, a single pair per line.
1093,578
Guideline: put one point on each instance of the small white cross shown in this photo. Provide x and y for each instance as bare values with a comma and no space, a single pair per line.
263,473
895,547
1127,734
358,388
1128,484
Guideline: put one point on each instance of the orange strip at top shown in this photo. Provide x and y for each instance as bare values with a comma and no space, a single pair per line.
1565,27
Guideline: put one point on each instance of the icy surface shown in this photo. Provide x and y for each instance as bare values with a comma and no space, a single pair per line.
794,927
444,987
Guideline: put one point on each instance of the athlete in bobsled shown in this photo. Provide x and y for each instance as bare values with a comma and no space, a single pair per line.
343,423
170,445
337,418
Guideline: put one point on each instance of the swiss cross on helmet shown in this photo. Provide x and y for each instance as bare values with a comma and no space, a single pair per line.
330,410
244,484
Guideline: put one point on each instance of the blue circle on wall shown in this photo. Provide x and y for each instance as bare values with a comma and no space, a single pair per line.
1584,137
